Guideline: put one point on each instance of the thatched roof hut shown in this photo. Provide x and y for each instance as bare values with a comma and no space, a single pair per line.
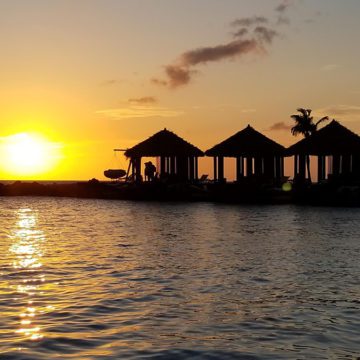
247,142
332,139
163,143
178,158
335,141
264,157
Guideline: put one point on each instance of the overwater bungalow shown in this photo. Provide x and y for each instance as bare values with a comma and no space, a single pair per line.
337,149
256,155
178,159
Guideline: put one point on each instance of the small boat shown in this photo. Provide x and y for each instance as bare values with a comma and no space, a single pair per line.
114,173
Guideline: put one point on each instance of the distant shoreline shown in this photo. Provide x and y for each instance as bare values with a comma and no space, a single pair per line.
231,193
7,182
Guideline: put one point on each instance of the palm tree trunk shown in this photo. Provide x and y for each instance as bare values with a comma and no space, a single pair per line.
308,167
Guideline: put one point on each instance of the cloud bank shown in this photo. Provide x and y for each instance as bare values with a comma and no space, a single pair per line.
345,111
252,35
280,126
138,112
143,100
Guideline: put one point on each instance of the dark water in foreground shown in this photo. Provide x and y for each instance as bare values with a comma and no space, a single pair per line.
92,279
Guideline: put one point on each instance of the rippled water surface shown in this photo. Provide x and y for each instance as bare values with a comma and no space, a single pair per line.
92,279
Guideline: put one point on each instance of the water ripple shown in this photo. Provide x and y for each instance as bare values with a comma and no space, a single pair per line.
92,279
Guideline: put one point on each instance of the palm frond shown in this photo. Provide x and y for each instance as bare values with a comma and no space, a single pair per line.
296,130
325,118
297,118
302,111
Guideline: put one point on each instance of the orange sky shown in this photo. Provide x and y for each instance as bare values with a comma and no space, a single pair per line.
88,76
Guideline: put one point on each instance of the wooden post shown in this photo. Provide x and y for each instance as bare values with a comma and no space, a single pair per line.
133,168
258,166
138,169
296,165
172,165
302,167
277,168
215,169
336,165
221,168
168,170
196,160
162,165
239,168
355,165
191,168
321,168
249,166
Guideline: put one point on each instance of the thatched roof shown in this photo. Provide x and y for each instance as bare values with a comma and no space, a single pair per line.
332,139
164,143
247,142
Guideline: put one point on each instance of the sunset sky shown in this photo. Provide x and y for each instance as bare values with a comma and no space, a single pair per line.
79,78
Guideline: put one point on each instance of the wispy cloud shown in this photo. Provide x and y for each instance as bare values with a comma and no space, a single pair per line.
330,67
283,6
265,34
253,35
247,111
241,32
111,82
181,72
347,112
138,111
143,100
249,21
281,10
280,126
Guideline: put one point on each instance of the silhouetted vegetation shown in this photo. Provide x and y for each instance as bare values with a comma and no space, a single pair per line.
304,125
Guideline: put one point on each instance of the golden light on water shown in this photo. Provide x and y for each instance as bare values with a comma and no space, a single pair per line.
27,251
29,154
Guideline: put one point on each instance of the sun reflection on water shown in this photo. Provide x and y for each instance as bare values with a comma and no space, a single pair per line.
27,259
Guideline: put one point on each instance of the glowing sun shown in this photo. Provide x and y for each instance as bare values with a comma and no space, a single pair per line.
29,154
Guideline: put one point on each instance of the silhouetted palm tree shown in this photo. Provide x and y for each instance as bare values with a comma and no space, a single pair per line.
304,124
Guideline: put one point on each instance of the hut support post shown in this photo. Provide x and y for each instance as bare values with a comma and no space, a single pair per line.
168,165
249,166
172,165
191,168
321,168
196,164
215,168
296,165
133,168
239,168
336,165
355,166
302,166
221,168
162,165
258,166
138,169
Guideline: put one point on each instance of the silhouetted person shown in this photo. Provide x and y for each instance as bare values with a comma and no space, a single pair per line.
150,170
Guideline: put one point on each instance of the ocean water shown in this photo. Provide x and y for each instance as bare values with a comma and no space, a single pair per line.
94,279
